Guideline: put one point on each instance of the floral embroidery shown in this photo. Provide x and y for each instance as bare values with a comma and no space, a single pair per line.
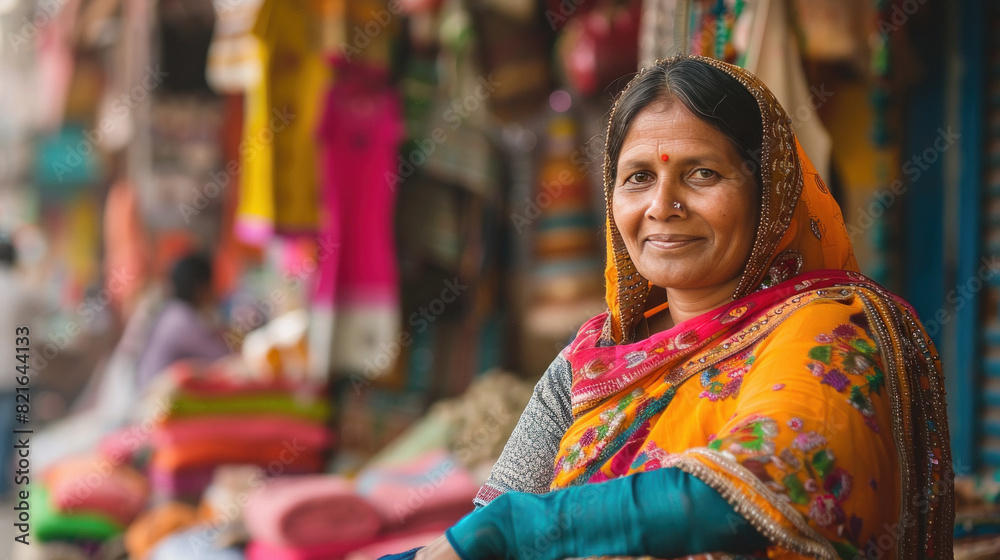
735,313
851,531
620,463
594,369
720,387
685,340
825,511
838,484
634,358
836,379
650,458
641,458
595,438
807,441
754,436
846,352
790,459
784,266
795,424
778,387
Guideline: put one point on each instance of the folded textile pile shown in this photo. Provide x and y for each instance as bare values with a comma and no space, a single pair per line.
214,417
49,524
82,502
431,492
324,517
94,484
309,517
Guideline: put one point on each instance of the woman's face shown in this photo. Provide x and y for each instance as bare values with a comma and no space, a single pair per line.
705,243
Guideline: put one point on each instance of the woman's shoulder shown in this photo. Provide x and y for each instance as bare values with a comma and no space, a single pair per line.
819,319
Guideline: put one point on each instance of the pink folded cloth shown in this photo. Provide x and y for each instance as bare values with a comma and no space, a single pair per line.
432,491
304,511
243,429
191,482
92,484
180,483
260,550
217,379
394,545
376,547
121,445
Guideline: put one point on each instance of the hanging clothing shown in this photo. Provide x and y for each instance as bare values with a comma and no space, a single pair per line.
254,222
279,186
356,301
813,403
126,261
233,64
295,76
772,54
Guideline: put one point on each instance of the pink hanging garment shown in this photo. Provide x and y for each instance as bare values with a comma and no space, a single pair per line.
126,262
356,302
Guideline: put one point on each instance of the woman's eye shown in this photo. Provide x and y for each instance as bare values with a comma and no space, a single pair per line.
704,174
639,177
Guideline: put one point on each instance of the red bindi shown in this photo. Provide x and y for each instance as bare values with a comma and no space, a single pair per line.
664,157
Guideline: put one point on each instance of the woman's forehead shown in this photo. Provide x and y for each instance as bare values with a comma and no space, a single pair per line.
660,127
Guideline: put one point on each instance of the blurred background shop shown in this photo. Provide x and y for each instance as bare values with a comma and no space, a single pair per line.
399,209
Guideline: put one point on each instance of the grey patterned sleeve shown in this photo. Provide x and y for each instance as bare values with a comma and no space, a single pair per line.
528,459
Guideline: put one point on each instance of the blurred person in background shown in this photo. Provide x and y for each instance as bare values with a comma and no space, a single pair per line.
187,326
19,307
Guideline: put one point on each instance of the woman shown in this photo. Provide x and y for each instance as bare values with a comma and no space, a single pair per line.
781,405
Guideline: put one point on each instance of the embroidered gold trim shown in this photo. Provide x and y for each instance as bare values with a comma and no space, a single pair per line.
809,542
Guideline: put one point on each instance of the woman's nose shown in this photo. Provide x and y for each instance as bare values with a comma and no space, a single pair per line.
664,202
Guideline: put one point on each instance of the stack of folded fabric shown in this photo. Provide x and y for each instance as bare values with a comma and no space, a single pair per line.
328,517
309,517
432,492
213,417
84,501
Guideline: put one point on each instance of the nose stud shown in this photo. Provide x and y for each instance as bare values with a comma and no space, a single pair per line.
677,205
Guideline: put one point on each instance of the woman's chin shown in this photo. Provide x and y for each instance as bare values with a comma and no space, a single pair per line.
687,281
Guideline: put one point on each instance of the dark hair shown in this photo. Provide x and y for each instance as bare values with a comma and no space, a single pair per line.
190,276
708,92
8,253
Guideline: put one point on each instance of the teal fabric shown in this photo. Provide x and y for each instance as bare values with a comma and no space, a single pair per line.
66,160
665,513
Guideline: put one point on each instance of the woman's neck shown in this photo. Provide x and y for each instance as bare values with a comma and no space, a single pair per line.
689,303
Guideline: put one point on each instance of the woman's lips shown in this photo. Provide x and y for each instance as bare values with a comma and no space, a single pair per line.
670,242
